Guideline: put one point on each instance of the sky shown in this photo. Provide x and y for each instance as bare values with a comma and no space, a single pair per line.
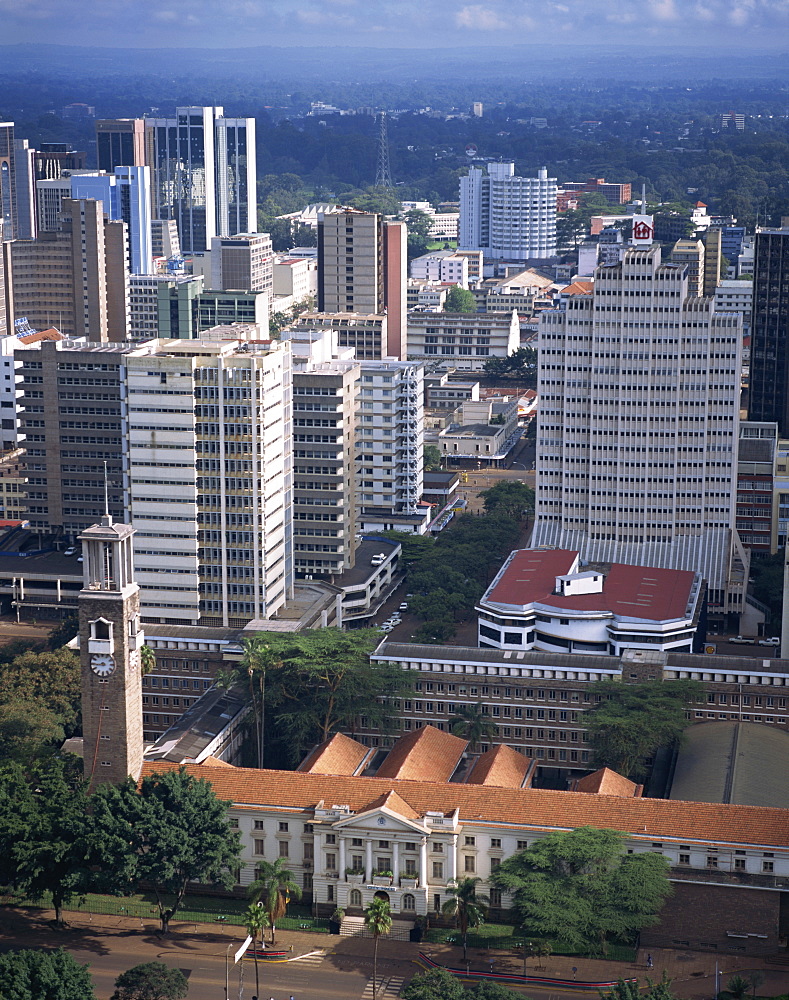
707,24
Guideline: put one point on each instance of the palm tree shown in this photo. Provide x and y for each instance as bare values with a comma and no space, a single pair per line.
256,921
464,903
273,888
377,920
472,723
147,660
256,661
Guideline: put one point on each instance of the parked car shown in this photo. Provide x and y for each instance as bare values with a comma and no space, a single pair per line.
774,641
744,640
404,606
70,551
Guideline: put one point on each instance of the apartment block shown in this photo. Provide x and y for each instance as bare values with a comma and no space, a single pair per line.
244,262
464,340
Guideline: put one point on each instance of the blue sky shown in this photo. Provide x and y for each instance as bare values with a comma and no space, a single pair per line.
398,23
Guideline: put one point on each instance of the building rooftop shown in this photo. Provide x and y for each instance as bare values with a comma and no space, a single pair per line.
502,767
645,593
199,726
643,818
426,754
337,755
607,782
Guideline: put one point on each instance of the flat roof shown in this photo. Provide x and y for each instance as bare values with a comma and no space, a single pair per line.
643,592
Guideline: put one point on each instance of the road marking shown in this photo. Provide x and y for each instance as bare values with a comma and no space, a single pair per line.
388,988
311,959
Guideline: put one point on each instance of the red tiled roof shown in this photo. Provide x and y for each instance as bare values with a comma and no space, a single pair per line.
649,819
579,287
500,767
391,800
338,755
629,591
215,762
39,335
426,754
608,782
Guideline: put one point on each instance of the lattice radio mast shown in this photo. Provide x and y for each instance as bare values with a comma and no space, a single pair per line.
383,175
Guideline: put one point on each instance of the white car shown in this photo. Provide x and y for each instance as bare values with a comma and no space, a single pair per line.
404,606
774,641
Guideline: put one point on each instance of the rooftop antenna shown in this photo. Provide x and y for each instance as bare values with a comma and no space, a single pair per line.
383,175
644,198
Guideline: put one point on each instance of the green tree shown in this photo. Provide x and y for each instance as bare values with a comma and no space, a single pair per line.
326,681
151,981
49,679
472,723
58,846
509,497
488,990
28,732
44,975
570,225
629,989
738,987
418,224
147,660
460,300
378,921
256,922
172,832
375,199
63,632
435,984
466,905
631,722
432,459
257,661
583,890
273,887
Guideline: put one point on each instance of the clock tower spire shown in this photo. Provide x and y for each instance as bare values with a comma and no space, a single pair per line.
110,639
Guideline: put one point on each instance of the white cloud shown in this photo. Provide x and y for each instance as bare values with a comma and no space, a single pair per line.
663,10
480,18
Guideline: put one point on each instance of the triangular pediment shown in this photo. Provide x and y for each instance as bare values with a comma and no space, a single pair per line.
389,812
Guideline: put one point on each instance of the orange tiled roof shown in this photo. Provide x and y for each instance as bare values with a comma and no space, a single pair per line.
39,335
579,287
215,762
648,819
501,766
338,755
391,800
607,782
426,754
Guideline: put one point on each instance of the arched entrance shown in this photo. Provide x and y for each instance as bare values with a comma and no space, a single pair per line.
382,895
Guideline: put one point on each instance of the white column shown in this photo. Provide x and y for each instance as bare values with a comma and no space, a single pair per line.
453,858
368,861
395,859
342,857
423,864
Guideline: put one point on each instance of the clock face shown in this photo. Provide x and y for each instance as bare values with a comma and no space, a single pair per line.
102,664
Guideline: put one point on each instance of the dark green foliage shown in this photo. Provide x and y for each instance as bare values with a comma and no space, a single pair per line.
63,632
466,905
632,721
460,300
473,723
521,365
418,224
510,497
660,990
738,987
151,981
172,832
435,984
583,890
322,682
47,838
432,461
493,991
47,679
44,975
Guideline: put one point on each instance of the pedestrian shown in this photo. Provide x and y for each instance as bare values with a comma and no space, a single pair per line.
649,961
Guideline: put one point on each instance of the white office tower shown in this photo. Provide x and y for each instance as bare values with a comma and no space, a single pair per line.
638,428
390,430
210,446
508,217
244,261
204,174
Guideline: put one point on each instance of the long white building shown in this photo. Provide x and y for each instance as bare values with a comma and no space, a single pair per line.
507,217
639,411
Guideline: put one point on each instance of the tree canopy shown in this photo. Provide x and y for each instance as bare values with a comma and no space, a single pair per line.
418,224
151,981
438,984
510,497
432,459
582,889
631,722
460,300
44,975
172,832
521,365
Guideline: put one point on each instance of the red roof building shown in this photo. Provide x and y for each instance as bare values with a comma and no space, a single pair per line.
544,599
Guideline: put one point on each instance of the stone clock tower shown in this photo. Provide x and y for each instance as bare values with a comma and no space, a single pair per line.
110,639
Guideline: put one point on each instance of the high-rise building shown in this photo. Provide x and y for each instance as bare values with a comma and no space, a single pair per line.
7,180
362,270
120,142
52,158
24,162
163,305
210,459
75,279
204,174
638,431
125,194
769,392
690,253
508,217
164,238
244,262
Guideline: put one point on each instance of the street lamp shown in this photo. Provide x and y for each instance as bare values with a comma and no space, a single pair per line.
227,971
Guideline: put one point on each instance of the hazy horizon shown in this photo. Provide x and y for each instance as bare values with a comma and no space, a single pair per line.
704,25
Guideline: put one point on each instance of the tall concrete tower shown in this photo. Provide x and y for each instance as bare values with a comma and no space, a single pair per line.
110,642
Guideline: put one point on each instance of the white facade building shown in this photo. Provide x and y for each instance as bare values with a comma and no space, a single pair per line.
210,458
542,599
638,430
736,296
507,217
464,340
